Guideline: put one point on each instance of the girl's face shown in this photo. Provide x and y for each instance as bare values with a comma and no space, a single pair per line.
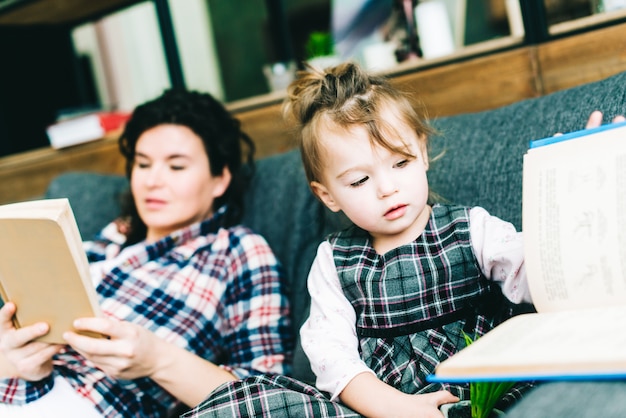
171,180
383,192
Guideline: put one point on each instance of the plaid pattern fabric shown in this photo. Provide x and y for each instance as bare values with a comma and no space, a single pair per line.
414,302
409,288
423,326
215,292
269,396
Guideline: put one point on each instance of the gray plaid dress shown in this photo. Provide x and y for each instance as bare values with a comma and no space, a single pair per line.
413,305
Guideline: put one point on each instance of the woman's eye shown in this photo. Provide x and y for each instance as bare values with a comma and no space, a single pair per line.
141,165
402,163
359,182
177,167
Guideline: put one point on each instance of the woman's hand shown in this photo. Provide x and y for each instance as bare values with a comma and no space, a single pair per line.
130,352
595,119
21,356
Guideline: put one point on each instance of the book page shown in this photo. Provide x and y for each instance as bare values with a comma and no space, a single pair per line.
555,345
574,221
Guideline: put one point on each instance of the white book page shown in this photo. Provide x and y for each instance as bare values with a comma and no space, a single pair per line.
581,343
574,222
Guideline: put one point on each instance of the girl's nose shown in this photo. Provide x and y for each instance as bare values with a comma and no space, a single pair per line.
386,187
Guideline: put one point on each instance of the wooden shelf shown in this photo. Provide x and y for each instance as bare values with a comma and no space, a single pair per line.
474,79
27,175
470,52
470,85
57,12
588,22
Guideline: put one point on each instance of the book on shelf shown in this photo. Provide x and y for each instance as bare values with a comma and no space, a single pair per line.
43,267
574,225
85,128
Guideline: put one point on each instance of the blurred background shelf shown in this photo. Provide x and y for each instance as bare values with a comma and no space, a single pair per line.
57,12
561,44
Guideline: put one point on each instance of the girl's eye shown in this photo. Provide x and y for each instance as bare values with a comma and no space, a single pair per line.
177,167
139,164
402,163
359,182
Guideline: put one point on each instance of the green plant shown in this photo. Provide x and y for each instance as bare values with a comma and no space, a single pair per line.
485,395
319,44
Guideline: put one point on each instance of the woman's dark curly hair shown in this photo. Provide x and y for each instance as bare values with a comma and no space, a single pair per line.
225,143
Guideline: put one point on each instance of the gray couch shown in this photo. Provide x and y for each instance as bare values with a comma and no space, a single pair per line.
481,165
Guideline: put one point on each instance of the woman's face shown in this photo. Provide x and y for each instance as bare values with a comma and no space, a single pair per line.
171,180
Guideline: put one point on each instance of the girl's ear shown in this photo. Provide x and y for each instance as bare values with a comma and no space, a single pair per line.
424,153
222,182
322,194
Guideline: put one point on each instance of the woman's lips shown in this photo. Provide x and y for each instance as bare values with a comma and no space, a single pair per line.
395,212
155,203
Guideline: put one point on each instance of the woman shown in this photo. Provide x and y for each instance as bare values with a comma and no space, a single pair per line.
191,300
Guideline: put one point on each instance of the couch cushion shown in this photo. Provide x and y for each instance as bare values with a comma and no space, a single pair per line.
95,198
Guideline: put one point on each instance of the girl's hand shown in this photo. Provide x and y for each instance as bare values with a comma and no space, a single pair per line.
21,356
424,405
130,352
371,397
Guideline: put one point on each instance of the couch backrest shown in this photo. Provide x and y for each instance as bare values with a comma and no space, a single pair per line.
95,198
482,165
484,151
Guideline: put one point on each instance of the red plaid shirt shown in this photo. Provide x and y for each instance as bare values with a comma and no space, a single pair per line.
213,291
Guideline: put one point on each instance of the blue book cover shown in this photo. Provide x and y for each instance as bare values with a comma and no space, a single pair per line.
528,377
536,143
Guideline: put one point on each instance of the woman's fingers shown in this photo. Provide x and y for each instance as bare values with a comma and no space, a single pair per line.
595,119
6,317
12,338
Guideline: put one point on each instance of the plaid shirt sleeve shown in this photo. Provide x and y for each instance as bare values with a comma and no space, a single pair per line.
19,392
256,329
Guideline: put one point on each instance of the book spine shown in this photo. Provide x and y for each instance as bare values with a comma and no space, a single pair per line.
527,377
4,297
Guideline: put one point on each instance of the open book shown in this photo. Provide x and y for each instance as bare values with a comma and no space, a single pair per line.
43,267
574,224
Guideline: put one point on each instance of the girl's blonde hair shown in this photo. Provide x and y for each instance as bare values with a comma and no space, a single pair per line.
344,96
